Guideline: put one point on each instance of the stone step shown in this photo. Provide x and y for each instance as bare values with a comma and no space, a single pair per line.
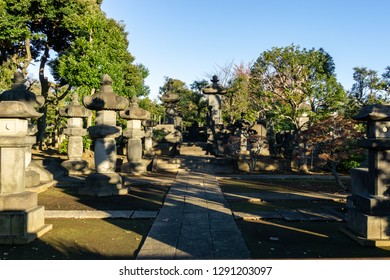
166,164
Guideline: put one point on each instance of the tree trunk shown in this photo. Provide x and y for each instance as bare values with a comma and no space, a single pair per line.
44,92
340,184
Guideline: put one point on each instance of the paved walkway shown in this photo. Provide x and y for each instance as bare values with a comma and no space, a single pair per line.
195,221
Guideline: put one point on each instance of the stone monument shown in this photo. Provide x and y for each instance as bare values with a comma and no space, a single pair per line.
21,218
75,132
36,178
134,132
148,139
172,128
106,103
214,116
368,207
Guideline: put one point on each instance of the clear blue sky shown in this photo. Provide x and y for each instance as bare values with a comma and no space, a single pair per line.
188,39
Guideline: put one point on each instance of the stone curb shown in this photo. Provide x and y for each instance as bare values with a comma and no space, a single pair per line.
91,214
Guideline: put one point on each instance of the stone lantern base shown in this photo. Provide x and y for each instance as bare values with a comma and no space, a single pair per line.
21,219
76,167
136,168
368,216
103,184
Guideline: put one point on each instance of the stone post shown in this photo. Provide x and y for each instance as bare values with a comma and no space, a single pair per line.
106,103
21,219
75,132
214,118
19,92
148,139
369,205
134,132
173,138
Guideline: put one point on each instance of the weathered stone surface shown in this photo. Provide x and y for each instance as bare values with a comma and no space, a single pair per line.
16,109
19,92
105,98
21,219
74,110
369,205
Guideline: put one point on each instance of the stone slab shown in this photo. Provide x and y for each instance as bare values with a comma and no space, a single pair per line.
144,215
258,215
291,215
85,214
319,215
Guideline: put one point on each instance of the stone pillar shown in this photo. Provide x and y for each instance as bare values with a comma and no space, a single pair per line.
134,132
105,181
21,218
170,145
148,139
369,205
214,118
34,171
75,132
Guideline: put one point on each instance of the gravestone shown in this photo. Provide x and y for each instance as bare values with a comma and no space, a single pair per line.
134,132
369,205
75,132
105,181
21,218
214,116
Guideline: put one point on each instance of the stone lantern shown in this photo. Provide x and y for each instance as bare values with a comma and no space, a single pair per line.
134,132
75,114
106,103
21,219
148,139
170,99
214,116
369,205
19,92
172,127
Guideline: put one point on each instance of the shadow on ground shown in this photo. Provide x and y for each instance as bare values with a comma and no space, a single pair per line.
297,236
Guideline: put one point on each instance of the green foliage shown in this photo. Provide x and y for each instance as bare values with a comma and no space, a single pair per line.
286,78
157,111
367,89
192,104
87,142
159,135
63,147
102,51
239,101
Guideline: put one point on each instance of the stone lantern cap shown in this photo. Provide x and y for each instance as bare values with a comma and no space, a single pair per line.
105,98
18,109
169,96
214,88
19,92
134,112
378,112
74,109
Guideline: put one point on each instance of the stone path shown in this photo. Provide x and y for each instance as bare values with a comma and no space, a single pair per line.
195,221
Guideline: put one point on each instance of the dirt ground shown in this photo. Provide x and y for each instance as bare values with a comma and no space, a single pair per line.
80,239
281,239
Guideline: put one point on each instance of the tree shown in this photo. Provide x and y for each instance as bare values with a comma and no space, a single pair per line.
75,39
102,51
191,102
239,100
285,79
367,89
335,141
